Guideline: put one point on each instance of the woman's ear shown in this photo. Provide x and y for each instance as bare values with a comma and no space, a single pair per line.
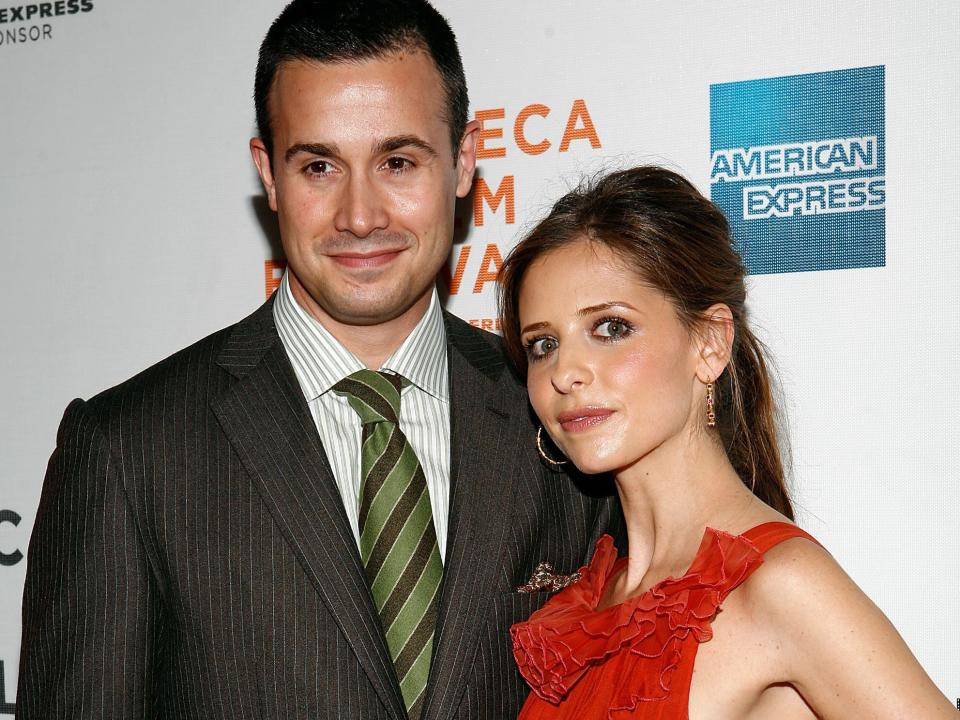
715,336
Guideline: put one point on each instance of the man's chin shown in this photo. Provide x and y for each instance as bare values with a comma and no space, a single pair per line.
368,308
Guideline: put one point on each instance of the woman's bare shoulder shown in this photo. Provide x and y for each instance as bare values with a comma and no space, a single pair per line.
836,647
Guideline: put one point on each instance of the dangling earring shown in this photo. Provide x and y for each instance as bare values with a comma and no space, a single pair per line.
555,463
711,411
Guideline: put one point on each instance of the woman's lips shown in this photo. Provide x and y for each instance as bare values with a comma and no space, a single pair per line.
583,418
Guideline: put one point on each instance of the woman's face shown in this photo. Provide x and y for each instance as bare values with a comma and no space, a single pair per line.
612,372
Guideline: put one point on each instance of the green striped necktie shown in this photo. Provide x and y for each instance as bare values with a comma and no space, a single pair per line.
398,543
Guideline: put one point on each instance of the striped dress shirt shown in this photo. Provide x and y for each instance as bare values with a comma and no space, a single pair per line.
320,361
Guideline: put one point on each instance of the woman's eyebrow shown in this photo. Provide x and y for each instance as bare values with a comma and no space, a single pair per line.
604,306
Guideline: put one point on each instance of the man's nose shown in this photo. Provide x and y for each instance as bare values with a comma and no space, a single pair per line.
361,209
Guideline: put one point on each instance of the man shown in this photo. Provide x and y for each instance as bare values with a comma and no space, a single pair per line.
213,540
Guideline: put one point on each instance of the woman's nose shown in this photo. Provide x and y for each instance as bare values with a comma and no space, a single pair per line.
572,370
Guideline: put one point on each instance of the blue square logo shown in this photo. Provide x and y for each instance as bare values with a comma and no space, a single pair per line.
798,167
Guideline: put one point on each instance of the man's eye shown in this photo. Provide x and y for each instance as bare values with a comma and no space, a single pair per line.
540,347
398,164
318,167
613,328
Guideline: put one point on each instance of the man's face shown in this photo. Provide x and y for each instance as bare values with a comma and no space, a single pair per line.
364,182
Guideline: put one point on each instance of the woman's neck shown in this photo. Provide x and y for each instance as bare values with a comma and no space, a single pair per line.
668,497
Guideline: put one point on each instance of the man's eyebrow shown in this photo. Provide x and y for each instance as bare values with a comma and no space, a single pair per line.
312,149
399,142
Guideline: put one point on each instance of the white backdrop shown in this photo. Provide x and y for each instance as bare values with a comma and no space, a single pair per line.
130,225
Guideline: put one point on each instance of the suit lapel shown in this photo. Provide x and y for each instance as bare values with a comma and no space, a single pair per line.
267,421
486,419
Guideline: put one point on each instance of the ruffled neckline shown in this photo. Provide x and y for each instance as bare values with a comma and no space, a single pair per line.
560,642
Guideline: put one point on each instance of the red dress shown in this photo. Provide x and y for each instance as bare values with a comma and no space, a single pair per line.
634,659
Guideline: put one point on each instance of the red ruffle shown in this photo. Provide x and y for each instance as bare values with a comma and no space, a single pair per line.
561,641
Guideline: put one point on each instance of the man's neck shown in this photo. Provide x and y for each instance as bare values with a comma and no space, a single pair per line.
371,344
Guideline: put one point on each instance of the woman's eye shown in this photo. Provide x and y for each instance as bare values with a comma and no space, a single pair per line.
613,328
540,347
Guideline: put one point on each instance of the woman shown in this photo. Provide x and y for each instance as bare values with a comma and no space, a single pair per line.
625,308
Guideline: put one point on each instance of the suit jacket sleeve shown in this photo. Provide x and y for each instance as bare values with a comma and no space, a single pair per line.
90,607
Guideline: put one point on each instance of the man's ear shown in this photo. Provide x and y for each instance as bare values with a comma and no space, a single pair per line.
467,158
715,335
261,158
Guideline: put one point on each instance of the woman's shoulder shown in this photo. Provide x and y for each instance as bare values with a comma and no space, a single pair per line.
798,576
829,640
807,605
797,581
791,558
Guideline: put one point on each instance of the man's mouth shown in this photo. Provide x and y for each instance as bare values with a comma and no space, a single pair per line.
367,260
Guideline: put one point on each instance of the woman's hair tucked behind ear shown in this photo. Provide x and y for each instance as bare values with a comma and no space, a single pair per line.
679,243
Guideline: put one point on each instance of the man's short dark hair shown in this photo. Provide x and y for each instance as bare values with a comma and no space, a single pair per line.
338,31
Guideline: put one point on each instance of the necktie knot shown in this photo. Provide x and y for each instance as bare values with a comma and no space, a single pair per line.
374,396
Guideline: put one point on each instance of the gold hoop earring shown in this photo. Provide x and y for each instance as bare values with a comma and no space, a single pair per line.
555,463
711,408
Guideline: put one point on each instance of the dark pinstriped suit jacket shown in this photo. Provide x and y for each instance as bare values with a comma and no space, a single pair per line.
192,558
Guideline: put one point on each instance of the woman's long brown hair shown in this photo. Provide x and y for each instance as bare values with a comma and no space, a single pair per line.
679,243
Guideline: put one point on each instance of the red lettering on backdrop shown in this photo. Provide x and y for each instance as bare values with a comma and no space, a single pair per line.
454,279
273,274
506,193
573,132
489,133
518,130
489,268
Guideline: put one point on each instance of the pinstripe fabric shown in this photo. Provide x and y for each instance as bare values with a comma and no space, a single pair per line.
320,361
192,557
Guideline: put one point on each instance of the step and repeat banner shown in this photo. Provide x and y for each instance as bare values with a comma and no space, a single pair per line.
132,224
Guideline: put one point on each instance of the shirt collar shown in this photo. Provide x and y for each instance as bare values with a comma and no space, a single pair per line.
422,356
320,361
